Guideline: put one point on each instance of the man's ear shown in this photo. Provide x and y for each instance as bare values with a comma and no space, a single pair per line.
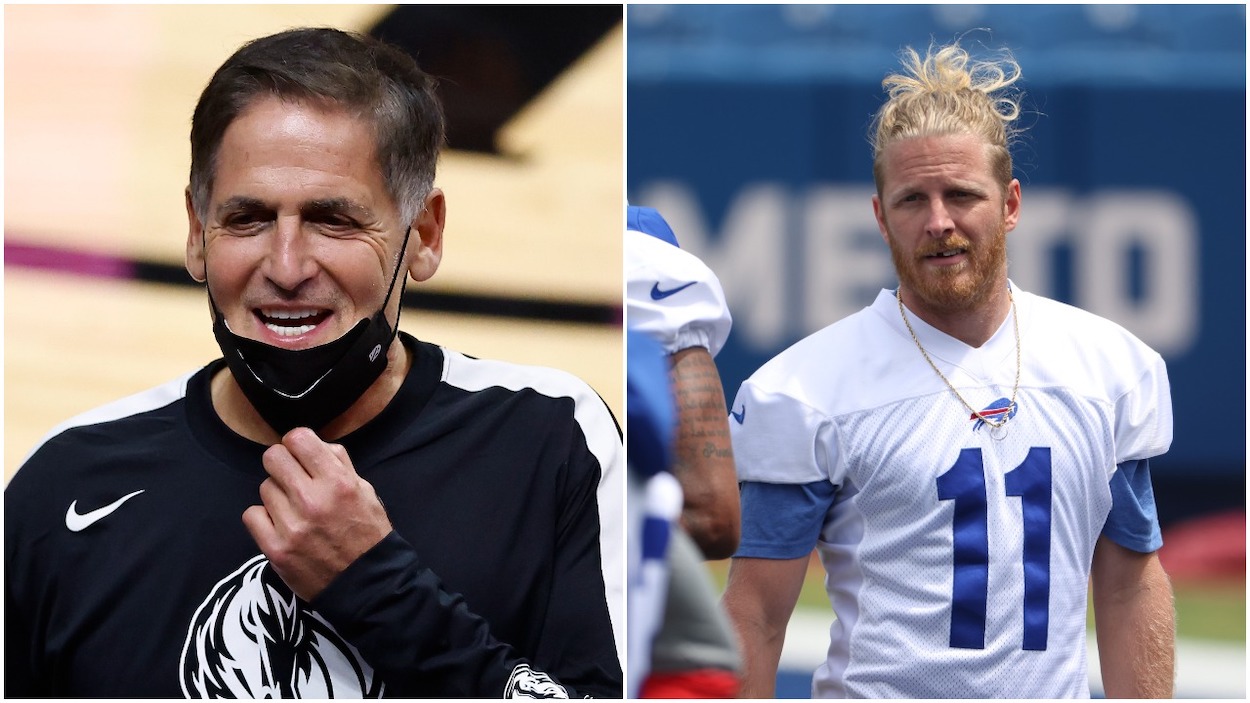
878,211
195,243
425,257
1011,205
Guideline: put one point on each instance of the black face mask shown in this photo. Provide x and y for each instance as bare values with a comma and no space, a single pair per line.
309,387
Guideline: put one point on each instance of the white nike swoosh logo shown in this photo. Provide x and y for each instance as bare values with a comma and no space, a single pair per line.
78,523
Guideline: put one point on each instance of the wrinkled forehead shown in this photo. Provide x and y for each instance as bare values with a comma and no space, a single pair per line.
958,155
294,151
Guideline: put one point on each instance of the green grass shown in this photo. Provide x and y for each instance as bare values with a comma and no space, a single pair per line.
1215,611
1210,611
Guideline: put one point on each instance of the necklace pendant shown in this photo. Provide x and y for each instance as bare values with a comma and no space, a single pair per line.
999,432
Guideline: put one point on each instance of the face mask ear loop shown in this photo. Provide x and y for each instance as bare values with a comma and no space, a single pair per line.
212,304
399,261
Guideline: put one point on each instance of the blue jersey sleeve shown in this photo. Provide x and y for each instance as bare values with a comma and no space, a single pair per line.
782,521
651,413
648,220
1134,520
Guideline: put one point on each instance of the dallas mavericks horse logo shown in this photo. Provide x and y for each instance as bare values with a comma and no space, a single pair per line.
995,411
252,638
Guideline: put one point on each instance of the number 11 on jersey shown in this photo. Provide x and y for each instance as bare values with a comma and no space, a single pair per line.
964,483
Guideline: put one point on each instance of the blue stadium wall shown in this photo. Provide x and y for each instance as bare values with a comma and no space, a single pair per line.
747,128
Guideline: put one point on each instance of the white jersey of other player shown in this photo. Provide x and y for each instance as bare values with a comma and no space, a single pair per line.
672,296
958,555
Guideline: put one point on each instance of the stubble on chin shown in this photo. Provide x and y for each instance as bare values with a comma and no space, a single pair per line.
953,289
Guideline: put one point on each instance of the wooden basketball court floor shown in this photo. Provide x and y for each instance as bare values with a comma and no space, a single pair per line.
97,106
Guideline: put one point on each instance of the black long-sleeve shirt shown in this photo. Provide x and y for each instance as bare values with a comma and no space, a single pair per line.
491,581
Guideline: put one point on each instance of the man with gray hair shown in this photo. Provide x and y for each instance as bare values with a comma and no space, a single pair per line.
415,522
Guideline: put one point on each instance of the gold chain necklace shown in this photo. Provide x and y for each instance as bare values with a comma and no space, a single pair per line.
1015,320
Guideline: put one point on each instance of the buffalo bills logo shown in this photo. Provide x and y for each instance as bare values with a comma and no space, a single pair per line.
999,411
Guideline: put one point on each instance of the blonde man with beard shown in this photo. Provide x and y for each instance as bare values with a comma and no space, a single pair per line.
966,457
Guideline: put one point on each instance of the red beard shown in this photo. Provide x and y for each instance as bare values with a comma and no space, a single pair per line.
957,288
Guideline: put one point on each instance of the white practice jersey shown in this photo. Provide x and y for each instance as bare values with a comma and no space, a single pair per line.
676,301
672,296
958,556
